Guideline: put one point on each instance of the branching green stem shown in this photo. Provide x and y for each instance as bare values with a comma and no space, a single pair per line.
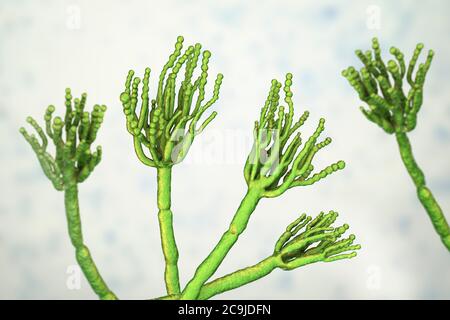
166,127
305,241
275,164
209,266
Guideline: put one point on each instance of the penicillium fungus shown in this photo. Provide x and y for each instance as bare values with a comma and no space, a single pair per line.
308,240
71,164
381,87
167,124
278,161
305,241
72,137
163,127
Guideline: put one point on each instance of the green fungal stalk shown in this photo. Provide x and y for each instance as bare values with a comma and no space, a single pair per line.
163,130
166,126
305,241
275,164
72,164
381,86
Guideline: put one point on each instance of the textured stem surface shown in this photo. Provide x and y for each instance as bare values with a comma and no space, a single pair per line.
209,266
238,278
424,194
83,255
233,280
168,243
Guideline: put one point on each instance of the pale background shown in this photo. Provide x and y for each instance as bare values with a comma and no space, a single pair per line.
47,46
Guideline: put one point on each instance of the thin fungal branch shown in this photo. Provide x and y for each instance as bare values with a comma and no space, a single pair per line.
381,86
166,126
275,164
163,129
305,241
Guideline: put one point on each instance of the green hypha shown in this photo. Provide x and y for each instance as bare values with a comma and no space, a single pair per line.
277,162
166,126
72,163
381,86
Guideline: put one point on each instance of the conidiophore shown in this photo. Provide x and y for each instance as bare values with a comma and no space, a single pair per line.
275,164
167,129
380,86
166,126
72,163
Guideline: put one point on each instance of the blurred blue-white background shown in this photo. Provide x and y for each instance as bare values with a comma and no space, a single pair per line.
46,46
